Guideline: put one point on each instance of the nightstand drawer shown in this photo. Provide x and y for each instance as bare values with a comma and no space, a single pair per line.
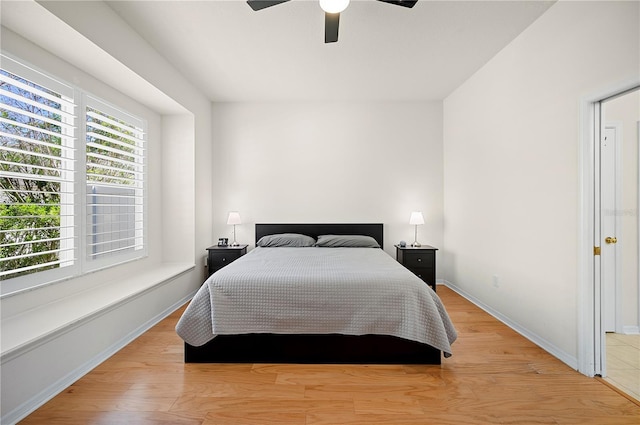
221,259
419,259
425,273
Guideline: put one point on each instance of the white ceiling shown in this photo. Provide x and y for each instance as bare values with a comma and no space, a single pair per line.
384,52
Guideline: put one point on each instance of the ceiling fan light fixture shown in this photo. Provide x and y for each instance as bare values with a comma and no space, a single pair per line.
334,6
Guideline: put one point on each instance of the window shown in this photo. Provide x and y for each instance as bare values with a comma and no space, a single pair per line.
72,193
114,182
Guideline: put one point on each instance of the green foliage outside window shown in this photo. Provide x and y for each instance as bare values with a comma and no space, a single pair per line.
29,207
43,222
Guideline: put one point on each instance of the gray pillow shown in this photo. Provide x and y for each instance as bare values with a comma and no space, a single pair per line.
286,239
352,241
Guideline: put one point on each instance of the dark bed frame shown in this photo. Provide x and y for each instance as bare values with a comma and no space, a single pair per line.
307,348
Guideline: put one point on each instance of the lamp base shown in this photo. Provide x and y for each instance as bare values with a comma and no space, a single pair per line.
416,244
235,243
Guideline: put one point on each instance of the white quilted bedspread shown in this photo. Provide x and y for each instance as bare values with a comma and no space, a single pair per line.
351,291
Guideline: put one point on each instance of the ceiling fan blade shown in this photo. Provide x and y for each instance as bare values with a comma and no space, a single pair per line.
331,24
263,4
404,3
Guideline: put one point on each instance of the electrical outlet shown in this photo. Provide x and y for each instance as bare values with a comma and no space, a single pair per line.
496,281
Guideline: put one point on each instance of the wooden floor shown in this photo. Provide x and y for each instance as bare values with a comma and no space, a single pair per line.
494,377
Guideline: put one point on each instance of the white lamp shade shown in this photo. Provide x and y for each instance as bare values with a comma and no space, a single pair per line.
416,218
234,218
334,6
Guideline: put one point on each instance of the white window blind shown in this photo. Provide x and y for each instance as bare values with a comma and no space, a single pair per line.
72,180
37,170
115,181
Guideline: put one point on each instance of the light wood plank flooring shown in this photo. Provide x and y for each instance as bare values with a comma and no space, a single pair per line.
494,377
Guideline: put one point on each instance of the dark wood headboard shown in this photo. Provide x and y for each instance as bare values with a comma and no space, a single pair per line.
375,230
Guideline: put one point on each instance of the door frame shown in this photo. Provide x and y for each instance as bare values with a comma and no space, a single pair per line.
637,141
589,283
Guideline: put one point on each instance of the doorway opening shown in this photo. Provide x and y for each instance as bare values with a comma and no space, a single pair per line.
616,240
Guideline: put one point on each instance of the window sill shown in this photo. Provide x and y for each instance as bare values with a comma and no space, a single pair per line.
29,329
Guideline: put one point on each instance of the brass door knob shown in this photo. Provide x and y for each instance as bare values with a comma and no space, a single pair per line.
610,239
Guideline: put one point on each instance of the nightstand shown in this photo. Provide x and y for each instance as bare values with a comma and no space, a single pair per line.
420,260
220,256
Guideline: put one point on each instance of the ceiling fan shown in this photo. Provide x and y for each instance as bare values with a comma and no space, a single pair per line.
332,9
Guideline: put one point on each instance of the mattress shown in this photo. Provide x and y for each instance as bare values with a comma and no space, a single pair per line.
349,291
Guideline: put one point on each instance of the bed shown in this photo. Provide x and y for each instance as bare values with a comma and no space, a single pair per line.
341,300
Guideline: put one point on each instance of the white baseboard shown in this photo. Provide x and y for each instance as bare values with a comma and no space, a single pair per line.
631,330
531,336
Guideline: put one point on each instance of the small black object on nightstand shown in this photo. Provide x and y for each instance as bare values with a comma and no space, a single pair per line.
420,260
220,256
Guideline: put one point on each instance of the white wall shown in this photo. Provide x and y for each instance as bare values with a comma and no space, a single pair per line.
624,111
511,166
329,162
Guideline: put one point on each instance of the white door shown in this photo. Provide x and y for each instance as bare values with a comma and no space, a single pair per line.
610,208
